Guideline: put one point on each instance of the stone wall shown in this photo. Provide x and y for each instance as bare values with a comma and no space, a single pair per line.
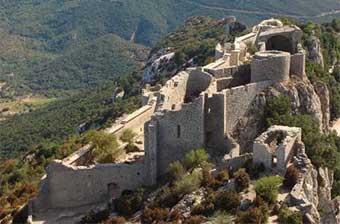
70,186
298,64
238,101
198,82
236,162
174,91
179,132
136,120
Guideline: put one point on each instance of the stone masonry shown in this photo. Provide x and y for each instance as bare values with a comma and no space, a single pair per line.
197,108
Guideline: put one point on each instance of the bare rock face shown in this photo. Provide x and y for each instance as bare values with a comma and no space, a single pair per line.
158,64
312,192
305,99
188,202
314,52
323,93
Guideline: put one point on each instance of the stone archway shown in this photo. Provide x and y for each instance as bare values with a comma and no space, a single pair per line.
280,43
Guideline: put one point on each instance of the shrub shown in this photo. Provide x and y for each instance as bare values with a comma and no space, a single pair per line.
223,176
209,180
194,220
221,218
268,188
154,215
291,177
176,170
242,180
129,203
206,208
116,220
167,197
253,216
188,183
288,216
175,216
106,148
227,200
254,169
95,217
127,136
196,158
131,148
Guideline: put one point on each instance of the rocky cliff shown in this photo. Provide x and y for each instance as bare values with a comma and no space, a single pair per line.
305,98
312,194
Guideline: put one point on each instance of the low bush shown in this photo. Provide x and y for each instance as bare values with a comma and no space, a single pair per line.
228,201
209,180
223,176
288,216
256,215
129,203
189,183
194,220
116,220
154,215
106,148
242,180
127,136
291,177
176,170
166,198
221,218
196,158
95,217
268,188
206,208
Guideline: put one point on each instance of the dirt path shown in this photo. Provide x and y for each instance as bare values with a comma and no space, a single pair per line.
333,12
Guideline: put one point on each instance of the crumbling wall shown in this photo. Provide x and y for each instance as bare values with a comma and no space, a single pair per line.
238,101
70,186
179,132
174,91
298,64
236,162
277,141
198,81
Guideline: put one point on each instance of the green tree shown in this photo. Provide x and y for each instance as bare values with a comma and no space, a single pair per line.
288,216
176,170
268,188
196,158
127,136
106,148
242,180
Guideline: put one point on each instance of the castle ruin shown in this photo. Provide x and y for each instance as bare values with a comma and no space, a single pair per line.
197,108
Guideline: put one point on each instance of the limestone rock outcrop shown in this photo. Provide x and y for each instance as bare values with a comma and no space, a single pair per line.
159,63
312,193
305,99
315,51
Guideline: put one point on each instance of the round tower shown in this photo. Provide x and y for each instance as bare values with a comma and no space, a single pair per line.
270,65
